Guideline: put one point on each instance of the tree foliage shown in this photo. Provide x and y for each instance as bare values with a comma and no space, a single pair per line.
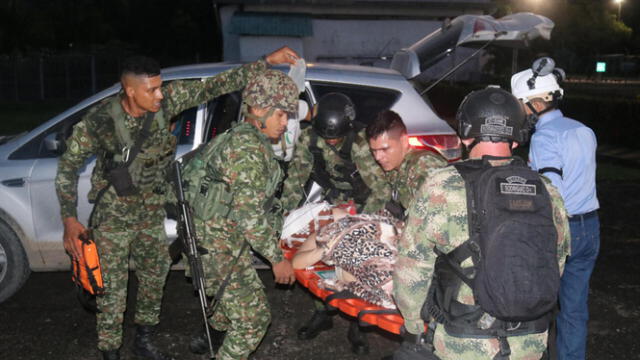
584,29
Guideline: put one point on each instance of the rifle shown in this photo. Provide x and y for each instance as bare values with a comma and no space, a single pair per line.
186,232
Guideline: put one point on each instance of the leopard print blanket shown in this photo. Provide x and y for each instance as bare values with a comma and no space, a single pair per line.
363,246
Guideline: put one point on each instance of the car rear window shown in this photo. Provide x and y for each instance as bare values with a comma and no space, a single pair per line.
369,100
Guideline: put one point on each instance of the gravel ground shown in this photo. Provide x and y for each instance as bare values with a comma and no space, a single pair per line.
44,320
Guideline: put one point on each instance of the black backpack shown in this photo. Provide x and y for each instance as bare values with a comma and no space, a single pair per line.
513,245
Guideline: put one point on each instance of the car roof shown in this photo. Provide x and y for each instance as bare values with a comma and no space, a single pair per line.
338,73
314,71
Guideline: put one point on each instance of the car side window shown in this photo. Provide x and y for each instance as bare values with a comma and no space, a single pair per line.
369,101
36,147
221,113
182,126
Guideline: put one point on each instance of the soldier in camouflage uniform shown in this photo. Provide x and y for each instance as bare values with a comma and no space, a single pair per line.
247,165
333,154
438,221
132,223
336,157
405,168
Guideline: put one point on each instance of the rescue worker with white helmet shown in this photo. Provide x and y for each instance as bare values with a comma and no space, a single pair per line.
564,150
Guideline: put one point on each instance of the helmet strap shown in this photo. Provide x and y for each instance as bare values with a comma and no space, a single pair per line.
260,119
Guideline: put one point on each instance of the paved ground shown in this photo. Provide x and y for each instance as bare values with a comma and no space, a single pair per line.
44,321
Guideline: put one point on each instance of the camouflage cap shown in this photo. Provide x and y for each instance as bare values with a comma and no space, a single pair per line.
272,88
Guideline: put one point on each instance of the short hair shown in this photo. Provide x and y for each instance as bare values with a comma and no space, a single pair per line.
385,121
140,65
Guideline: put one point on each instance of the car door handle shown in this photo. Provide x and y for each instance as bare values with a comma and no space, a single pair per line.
19,182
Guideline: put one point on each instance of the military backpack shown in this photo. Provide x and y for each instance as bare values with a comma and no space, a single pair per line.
512,244
204,189
208,194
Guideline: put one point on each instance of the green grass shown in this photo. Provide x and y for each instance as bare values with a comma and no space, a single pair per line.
18,117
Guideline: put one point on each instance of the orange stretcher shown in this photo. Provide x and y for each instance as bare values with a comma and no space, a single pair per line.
366,313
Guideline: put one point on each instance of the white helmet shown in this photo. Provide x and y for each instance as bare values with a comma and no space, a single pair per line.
541,81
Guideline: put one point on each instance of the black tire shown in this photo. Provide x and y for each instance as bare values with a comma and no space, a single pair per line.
14,266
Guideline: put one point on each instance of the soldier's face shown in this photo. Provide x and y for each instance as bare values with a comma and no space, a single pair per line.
333,142
144,92
389,149
276,124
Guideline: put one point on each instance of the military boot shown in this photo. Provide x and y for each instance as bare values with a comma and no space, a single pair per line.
199,343
358,339
144,347
320,321
111,355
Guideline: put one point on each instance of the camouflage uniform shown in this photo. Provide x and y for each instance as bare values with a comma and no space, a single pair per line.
133,225
301,167
247,164
438,217
404,181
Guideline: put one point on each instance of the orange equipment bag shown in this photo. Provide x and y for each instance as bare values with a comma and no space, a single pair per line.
86,272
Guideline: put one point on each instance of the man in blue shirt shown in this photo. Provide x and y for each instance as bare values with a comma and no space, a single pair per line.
564,150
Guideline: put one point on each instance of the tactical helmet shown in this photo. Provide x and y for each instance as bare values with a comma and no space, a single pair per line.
272,89
492,114
333,116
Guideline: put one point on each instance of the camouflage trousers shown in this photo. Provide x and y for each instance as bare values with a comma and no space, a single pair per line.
125,233
243,311
524,347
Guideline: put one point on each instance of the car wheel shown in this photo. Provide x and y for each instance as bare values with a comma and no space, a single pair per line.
14,266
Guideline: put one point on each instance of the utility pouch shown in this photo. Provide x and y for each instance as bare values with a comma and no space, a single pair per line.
121,180
212,199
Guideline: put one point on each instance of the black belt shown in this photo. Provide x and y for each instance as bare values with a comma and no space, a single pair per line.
585,216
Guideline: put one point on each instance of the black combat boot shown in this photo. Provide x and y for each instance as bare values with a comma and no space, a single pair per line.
144,347
358,339
111,355
320,321
200,345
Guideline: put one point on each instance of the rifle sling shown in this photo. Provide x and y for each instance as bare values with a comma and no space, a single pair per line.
225,282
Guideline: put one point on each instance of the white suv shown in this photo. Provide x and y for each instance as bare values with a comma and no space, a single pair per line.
30,225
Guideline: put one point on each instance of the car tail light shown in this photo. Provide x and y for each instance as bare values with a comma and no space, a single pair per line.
446,145
481,25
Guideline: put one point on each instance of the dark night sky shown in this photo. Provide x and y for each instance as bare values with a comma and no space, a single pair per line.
186,31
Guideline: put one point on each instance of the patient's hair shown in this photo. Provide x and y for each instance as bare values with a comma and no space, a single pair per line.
386,121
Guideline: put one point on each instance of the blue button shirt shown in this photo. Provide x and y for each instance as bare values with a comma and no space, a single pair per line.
566,144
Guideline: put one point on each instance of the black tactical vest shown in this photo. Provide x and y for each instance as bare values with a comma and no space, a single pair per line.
349,173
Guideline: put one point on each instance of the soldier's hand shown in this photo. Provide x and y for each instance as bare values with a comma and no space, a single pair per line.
72,231
284,55
283,272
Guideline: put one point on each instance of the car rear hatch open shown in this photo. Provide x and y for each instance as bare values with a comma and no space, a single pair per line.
515,30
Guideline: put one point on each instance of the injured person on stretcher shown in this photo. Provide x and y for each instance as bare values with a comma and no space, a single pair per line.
361,247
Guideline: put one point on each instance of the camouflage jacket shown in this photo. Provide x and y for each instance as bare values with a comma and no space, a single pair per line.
95,134
405,180
301,167
246,163
438,218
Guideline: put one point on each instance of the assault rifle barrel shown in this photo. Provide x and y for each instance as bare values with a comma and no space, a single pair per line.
190,241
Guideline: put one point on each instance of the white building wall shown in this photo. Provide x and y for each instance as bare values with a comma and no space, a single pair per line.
350,41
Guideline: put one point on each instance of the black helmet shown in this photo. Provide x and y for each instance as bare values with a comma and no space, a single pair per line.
333,116
492,114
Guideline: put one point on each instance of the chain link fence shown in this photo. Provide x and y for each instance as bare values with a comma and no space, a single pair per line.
70,77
